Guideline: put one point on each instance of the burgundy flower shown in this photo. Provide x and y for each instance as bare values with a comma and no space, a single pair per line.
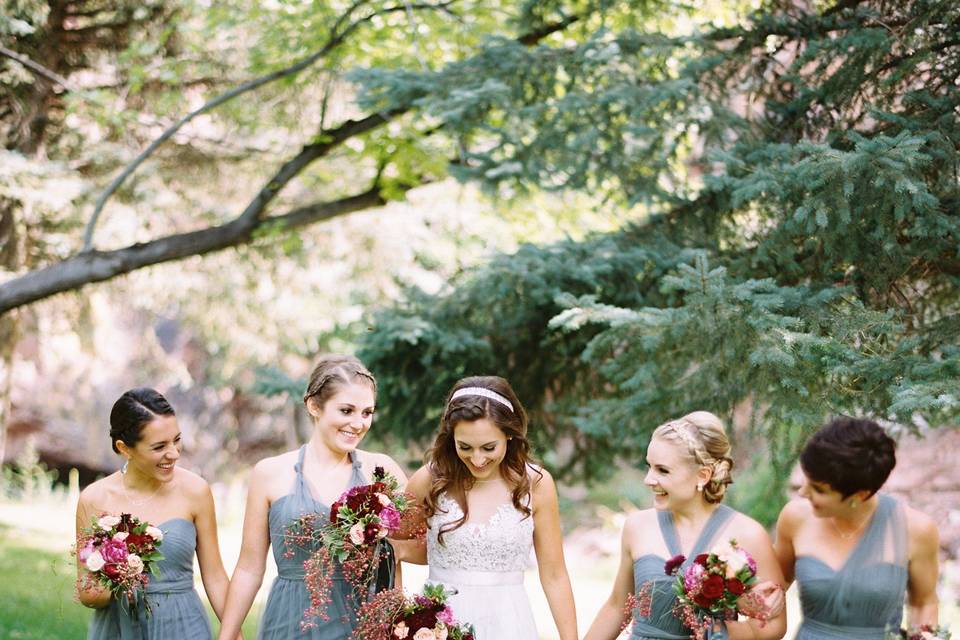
712,587
735,587
703,600
370,533
702,559
379,473
671,566
334,512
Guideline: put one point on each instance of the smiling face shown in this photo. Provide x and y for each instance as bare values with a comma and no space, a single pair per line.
156,452
344,419
673,476
481,447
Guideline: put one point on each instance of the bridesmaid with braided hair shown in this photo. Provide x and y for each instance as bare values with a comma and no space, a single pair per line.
341,398
689,471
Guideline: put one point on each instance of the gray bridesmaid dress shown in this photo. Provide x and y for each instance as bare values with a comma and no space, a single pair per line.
865,596
288,597
662,624
175,609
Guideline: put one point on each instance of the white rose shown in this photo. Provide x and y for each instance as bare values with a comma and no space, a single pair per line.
120,536
735,562
134,564
424,634
356,534
384,500
400,630
108,522
154,532
95,561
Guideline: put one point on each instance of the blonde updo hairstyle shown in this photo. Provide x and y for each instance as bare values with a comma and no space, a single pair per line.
702,436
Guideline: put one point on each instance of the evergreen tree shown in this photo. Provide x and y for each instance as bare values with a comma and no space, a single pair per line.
797,248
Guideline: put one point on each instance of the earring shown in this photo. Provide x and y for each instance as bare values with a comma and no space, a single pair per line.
854,504
123,469
699,487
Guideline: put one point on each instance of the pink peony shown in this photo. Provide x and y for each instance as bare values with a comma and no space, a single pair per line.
85,552
113,551
693,577
445,616
390,518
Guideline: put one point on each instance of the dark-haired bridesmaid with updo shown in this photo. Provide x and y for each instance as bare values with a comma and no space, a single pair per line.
150,486
857,554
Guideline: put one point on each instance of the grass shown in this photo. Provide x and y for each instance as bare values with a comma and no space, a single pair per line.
36,599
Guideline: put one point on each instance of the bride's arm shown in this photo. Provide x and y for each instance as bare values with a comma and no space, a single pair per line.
414,549
922,603
548,542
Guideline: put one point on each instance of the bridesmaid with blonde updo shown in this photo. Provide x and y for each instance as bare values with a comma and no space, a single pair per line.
689,470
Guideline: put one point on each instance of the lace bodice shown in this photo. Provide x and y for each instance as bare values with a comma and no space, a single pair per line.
501,544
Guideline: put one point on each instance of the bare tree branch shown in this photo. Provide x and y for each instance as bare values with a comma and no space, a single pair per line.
37,68
96,266
337,37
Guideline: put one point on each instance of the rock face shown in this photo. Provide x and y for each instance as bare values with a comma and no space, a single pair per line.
928,478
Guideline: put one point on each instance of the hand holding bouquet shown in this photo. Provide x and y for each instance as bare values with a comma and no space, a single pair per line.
714,587
353,538
118,553
391,615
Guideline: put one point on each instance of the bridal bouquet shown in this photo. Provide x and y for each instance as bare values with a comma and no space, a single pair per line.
392,615
714,587
353,538
923,632
118,553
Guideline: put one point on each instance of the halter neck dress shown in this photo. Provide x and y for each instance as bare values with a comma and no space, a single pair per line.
662,624
175,607
289,598
863,597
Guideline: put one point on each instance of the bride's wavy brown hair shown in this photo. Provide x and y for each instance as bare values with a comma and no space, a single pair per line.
448,473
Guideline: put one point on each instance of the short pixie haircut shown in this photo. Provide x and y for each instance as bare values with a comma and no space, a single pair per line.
850,455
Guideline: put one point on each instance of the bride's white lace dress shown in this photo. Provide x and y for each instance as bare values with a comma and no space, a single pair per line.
484,562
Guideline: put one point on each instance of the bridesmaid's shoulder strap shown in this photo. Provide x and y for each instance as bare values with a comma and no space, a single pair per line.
669,532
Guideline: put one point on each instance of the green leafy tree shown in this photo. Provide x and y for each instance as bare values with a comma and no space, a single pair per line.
797,172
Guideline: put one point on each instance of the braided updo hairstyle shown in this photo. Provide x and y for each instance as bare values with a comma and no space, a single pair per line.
702,435
134,410
333,372
850,455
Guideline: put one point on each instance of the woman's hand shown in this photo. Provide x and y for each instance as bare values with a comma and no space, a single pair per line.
765,600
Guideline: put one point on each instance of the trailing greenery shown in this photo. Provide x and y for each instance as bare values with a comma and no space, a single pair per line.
800,252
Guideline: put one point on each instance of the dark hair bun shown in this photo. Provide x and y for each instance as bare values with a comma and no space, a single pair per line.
132,412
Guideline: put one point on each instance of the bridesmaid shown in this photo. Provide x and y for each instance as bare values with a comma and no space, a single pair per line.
690,465
855,553
340,398
150,486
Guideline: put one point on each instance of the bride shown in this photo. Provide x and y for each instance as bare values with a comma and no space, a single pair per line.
486,506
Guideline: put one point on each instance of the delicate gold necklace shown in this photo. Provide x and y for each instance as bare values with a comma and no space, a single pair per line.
847,536
137,503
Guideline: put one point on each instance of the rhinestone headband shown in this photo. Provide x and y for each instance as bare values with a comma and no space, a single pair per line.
480,391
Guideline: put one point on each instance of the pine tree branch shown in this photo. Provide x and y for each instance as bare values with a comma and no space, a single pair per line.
37,68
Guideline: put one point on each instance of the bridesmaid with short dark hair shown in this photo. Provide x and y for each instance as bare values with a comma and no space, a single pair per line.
150,486
855,553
